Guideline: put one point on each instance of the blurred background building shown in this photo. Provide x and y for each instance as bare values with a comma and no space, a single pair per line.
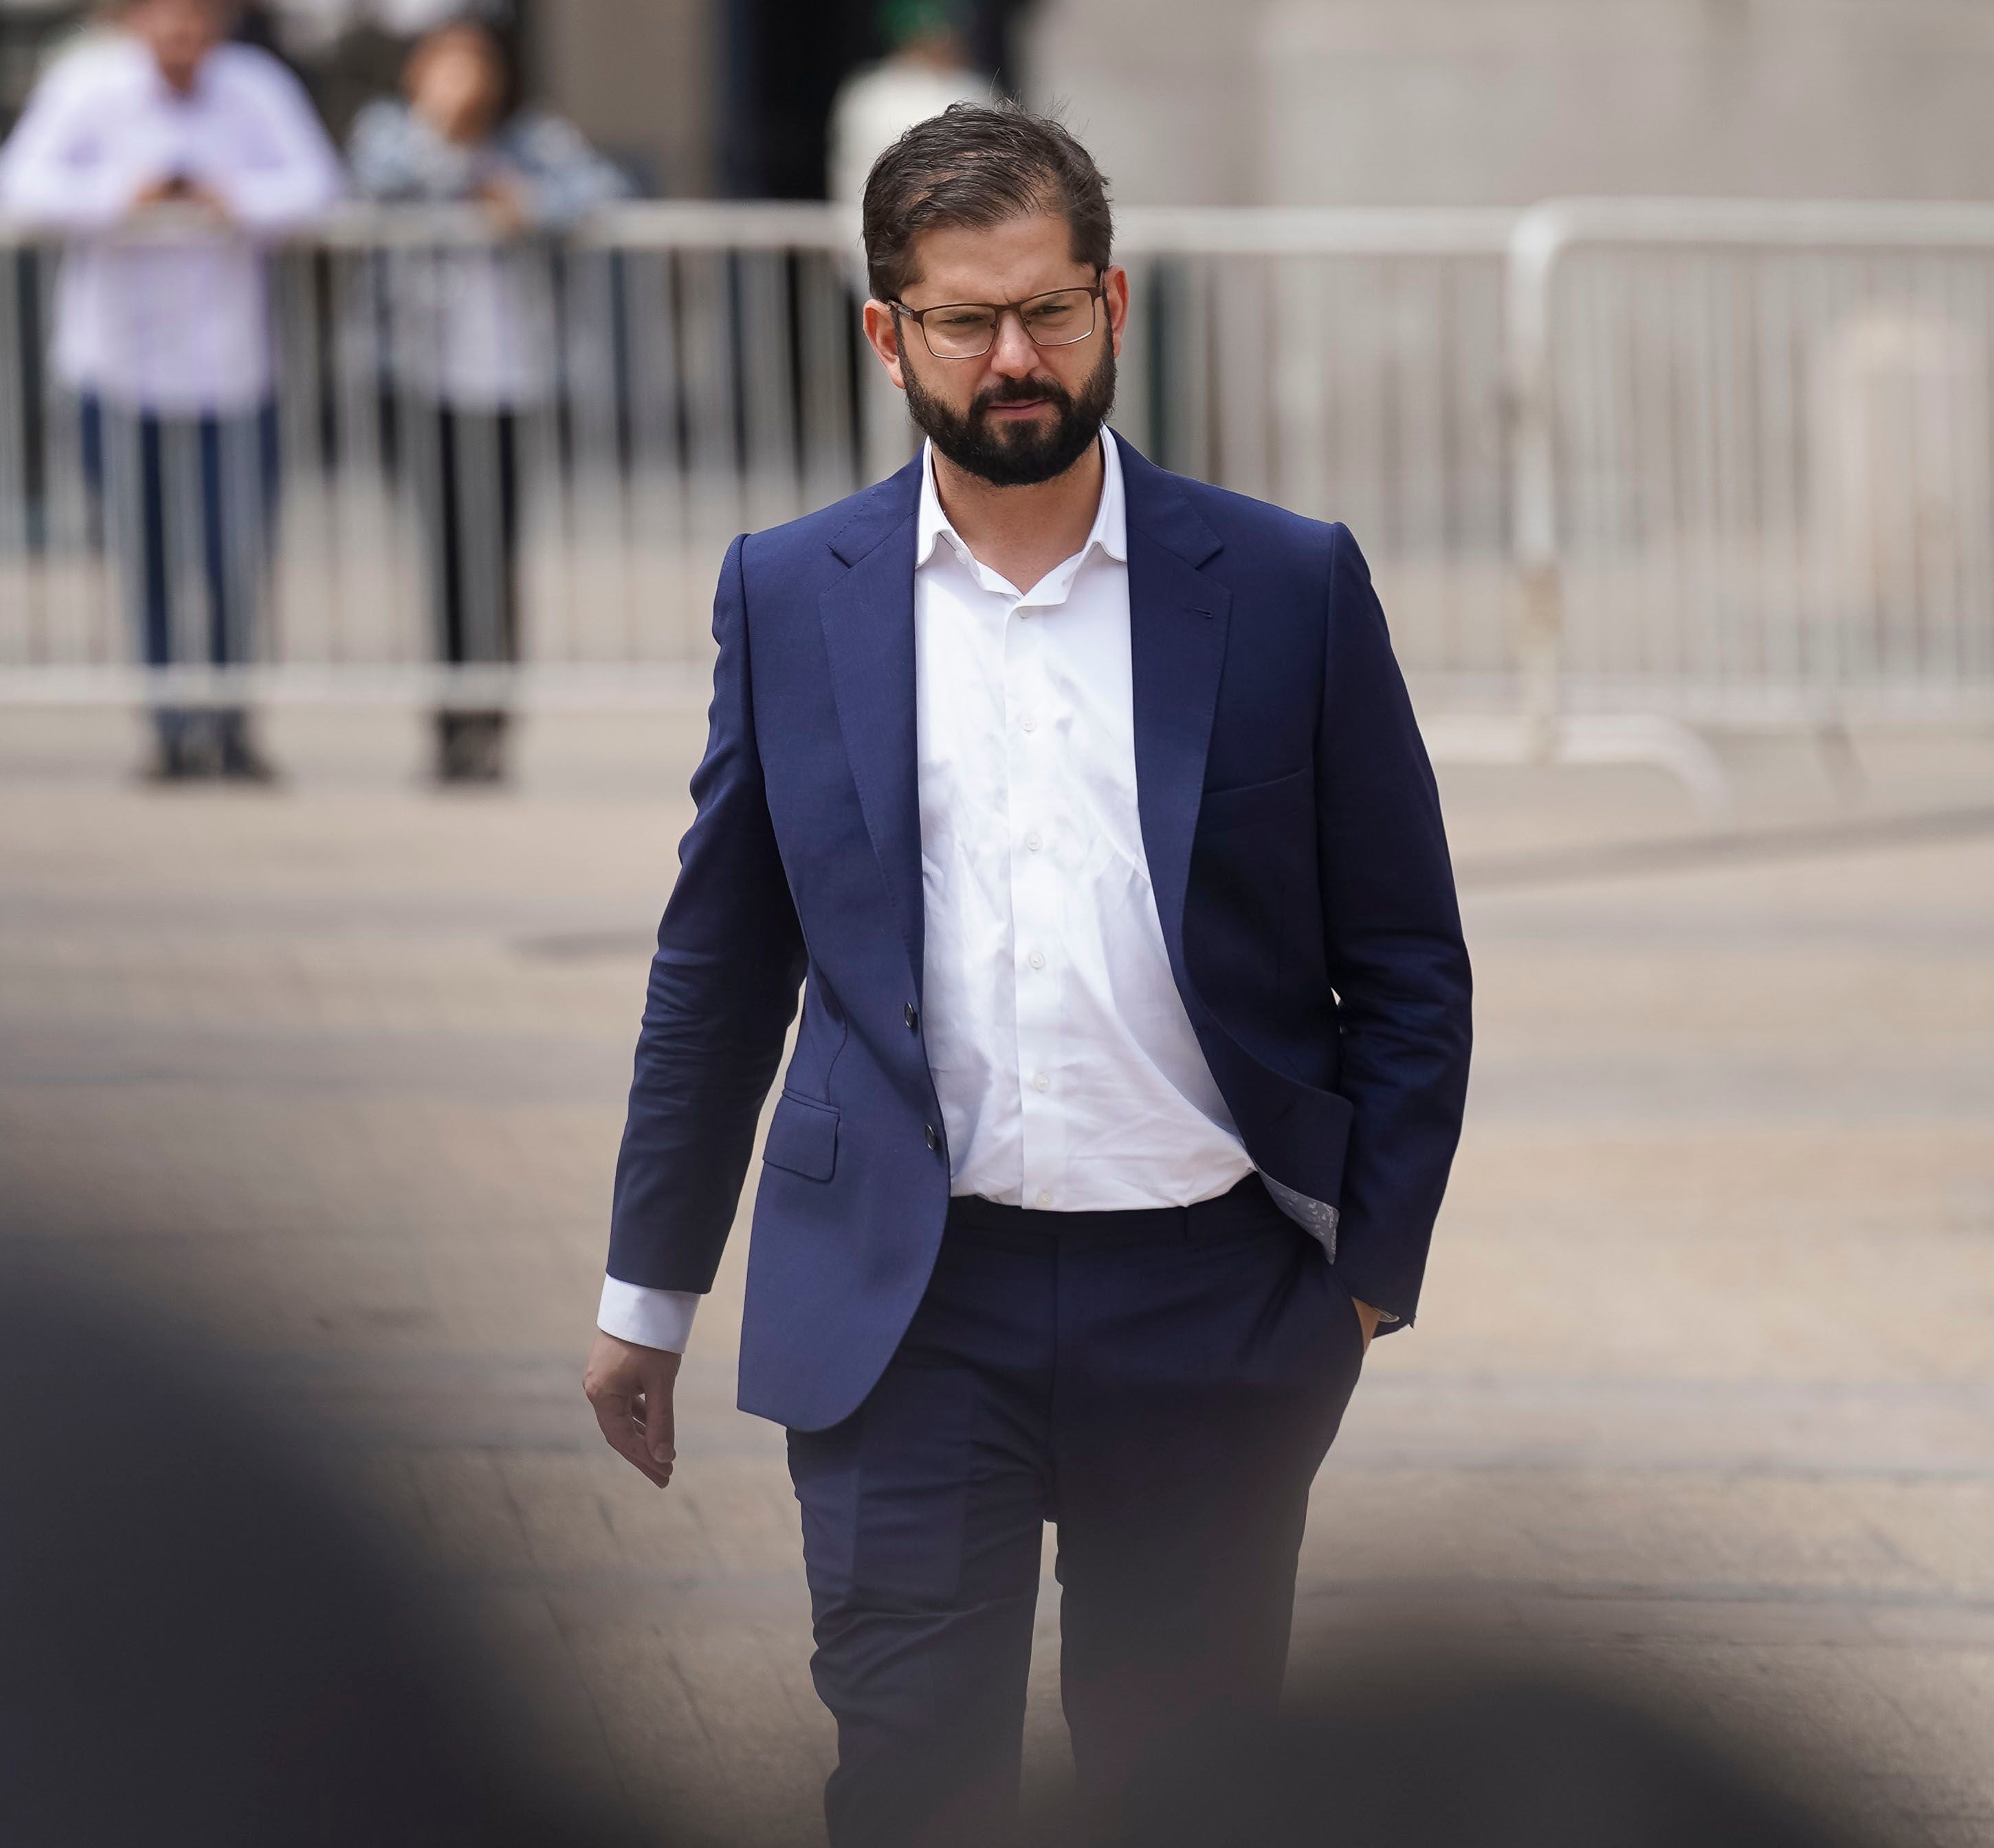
1446,102
1501,102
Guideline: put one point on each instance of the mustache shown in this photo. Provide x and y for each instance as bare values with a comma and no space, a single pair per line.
1023,391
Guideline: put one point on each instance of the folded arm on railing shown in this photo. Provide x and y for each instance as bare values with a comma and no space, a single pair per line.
57,173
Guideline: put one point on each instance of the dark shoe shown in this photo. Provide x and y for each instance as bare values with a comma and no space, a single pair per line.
168,762
198,745
241,761
449,747
488,746
470,747
245,763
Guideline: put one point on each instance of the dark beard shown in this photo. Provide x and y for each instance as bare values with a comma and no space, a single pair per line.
1018,456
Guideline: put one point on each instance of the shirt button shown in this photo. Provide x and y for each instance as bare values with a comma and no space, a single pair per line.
1045,1198
1033,842
933,1136
1040,1082
1030,721
1037,959
912,1016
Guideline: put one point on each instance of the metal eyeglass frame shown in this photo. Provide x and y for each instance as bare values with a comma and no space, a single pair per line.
1096,291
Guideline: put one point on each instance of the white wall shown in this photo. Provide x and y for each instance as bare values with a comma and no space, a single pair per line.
1502,101
1162,92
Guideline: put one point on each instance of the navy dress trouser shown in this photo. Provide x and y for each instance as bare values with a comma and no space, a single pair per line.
1162,1384
217,477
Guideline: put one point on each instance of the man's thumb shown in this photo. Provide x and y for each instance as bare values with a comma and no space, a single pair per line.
658,1421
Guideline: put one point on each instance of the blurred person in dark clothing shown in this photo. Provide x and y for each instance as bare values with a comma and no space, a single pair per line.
162,325
473,343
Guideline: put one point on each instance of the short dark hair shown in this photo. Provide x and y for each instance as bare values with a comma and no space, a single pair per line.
977,167
501,41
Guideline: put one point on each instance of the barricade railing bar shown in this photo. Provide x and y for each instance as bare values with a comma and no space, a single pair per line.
1754,459
1620,467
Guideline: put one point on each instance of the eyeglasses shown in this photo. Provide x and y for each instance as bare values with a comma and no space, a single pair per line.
1061,317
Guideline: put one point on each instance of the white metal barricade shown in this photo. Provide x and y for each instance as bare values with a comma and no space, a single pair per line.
1620,467
1350,365
702,376
1756,456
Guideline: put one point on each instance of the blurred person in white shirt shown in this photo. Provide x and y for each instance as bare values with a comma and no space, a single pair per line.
925,68
169,158
473,343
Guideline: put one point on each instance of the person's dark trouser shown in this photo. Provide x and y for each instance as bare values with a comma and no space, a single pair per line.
467,489
466,472
206,485
1161,1385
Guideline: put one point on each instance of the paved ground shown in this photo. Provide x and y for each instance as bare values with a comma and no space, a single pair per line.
1704,1383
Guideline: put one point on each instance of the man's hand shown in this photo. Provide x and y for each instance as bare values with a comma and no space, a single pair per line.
165,189
1368,1316
631,1389
177,190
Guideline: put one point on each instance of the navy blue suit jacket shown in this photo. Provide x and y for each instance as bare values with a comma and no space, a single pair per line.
1295,846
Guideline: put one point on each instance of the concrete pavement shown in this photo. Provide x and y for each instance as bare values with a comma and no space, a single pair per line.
1704,1383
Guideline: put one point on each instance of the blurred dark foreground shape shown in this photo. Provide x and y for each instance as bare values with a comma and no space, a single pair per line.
196,1643
1411,1742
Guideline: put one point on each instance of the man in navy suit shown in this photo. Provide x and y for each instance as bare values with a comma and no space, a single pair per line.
1086,806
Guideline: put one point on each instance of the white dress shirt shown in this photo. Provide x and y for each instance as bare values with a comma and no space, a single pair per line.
176,327
1069,1077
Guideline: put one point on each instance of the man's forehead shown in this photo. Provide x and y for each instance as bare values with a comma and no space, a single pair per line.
999,262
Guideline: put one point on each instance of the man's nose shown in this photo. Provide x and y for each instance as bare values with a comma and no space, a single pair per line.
1013,354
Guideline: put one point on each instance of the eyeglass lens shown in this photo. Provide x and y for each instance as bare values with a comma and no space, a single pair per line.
965,331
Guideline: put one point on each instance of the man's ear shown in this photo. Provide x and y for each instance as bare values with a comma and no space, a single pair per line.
1115,286
882,335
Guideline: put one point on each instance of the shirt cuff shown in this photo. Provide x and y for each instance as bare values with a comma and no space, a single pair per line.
649,1319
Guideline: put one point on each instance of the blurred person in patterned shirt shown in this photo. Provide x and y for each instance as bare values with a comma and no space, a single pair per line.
472,343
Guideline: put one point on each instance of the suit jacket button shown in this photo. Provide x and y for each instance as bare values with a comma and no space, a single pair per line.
913,1018
934,1136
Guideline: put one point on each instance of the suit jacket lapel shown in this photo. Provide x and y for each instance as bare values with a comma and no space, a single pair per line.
1178,619
869,633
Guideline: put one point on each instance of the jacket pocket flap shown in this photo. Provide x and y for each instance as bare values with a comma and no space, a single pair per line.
802,1137
1219,809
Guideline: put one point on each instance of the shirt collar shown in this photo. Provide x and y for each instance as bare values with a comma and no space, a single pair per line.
1110,531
